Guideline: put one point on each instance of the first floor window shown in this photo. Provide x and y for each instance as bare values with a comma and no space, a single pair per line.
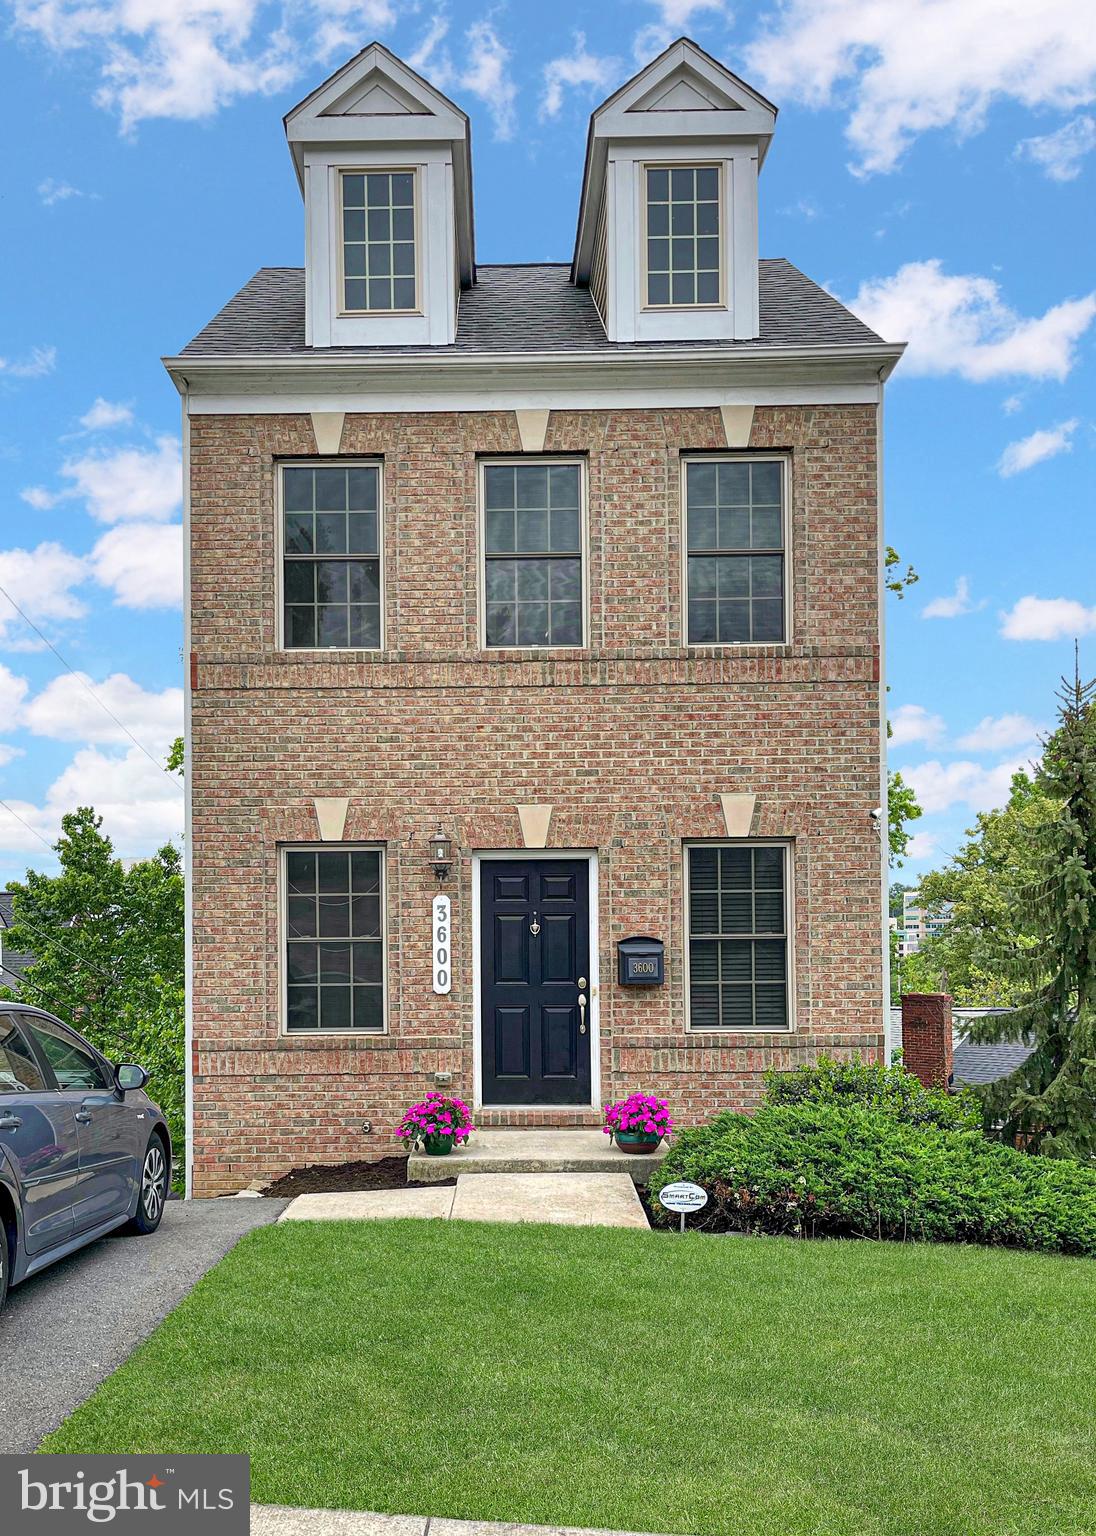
532,540
734,535
334,944
738,936
331,545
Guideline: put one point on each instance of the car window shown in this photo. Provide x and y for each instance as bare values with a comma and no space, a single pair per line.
19,1072
73,1065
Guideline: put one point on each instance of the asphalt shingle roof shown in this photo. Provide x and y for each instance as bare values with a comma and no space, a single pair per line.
14,962
520,308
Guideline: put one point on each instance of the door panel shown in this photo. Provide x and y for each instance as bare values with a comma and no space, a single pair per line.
38,1133
535,945
106,1125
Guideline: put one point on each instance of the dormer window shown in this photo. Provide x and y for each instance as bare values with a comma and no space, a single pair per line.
683,236
378,242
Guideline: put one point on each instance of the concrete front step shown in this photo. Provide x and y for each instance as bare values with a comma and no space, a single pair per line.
563,1199
572,1150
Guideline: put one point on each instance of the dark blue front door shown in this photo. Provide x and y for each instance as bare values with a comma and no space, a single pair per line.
535,974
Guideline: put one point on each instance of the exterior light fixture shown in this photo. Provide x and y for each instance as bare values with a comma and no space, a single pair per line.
441,853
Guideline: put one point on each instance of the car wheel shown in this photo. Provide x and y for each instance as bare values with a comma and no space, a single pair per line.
150,1202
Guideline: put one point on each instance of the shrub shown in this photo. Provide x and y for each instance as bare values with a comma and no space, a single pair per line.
893,1090
849,1169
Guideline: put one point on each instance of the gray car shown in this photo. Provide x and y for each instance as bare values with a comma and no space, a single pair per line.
83,1149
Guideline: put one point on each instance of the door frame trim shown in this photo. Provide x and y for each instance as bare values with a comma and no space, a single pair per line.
492,855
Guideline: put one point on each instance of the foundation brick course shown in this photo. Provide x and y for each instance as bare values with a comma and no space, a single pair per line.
631,740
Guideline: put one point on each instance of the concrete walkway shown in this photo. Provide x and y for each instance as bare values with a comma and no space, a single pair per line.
544,1150
276,1520
564,1199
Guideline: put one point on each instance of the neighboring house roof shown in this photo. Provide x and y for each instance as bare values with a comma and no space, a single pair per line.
973,1064
13,962
523,309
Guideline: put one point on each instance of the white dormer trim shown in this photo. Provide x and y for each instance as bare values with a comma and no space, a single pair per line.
376,113
683,108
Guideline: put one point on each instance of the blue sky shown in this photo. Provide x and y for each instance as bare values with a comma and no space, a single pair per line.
933,166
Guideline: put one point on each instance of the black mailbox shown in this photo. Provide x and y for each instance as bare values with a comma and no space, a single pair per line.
640,962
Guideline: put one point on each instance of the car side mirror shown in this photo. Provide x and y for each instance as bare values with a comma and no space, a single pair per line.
129,1075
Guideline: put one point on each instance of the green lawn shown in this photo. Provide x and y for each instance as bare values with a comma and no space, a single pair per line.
617,1378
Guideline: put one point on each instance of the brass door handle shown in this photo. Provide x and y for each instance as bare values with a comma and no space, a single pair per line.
582,1013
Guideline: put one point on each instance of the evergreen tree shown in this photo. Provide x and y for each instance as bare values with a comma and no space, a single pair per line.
1051,1098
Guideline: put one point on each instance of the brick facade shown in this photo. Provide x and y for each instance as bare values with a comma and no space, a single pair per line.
631,740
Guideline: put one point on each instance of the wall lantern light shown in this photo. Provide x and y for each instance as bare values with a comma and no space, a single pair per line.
441,853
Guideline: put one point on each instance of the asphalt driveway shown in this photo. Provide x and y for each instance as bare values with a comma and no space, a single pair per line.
67,1328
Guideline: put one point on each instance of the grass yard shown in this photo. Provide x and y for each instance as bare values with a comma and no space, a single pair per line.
614,1378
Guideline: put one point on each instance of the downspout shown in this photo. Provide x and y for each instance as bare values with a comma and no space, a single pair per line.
884,821
188,824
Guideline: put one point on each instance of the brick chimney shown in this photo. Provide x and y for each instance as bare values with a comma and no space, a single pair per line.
926,1037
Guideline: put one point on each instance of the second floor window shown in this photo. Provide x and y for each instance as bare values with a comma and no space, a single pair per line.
683,265
532,542
331,568
378,242
734,532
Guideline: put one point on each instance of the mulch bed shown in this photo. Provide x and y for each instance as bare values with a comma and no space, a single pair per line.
318,1179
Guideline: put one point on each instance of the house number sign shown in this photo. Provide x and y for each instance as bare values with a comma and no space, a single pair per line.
441,935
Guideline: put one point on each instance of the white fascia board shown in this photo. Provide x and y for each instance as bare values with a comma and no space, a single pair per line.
699,375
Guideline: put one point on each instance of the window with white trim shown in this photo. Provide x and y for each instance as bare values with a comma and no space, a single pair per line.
532,553
683,236
378,242
738,958
735,551
334,940
331,556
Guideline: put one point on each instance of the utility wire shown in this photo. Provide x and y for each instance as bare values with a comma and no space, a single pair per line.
32,830
82,680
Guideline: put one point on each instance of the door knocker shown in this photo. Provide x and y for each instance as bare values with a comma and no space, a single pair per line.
534,926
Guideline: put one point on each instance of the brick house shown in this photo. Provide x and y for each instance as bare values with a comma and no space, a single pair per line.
576,566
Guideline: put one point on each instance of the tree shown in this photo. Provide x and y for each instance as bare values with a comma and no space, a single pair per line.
897,892
176,757
107,942
1051,1098
902,808
973,957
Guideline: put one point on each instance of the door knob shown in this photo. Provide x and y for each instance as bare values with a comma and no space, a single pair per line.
581,983
582,1013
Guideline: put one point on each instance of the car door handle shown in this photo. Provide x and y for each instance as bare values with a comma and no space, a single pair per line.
10,1122
83,1117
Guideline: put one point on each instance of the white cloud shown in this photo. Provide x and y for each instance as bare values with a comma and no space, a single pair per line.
8,754
961,324
938,786
166,58
1045,444
912,722
999,734
13,692
141,807
676,18
128,482
574,69
106,413
1061,153
922,845
485,72
42,582
906,67
1012,404
342,26
66,711
51,191
38,497
953,607
1047,618
142,563
38,362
